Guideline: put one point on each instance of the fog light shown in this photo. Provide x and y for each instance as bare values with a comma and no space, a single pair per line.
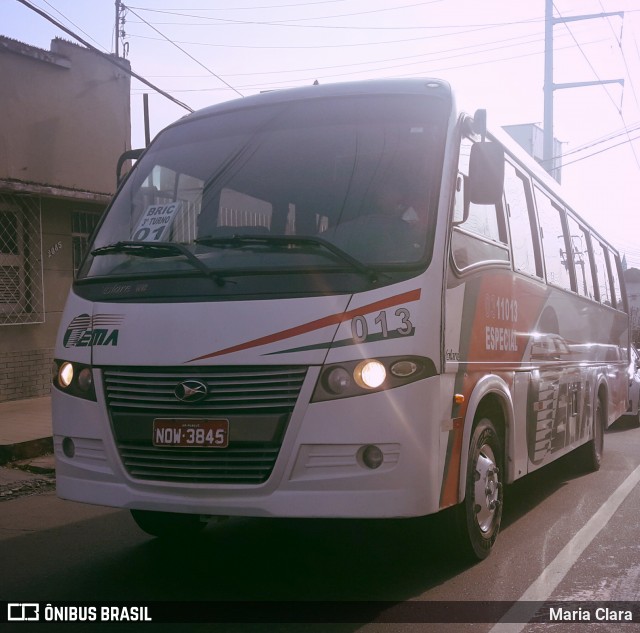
338,380
372,456
85,379
68,447
65,374
370,374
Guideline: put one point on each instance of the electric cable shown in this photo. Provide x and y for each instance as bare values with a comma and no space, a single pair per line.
109,58
226,83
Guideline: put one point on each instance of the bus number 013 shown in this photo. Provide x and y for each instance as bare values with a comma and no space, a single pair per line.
360,328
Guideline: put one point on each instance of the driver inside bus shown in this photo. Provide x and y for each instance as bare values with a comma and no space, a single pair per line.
394,202
391,230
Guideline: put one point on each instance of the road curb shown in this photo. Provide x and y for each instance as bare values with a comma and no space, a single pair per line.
25,450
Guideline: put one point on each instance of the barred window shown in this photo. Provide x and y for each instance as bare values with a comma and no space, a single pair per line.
82,225
21,289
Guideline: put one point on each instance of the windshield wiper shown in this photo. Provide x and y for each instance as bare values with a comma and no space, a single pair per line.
153,250
282,242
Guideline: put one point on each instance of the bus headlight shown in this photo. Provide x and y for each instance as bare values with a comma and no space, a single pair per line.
355,378
73,378
65,375
370,374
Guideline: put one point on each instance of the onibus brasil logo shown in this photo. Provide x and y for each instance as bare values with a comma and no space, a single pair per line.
87,331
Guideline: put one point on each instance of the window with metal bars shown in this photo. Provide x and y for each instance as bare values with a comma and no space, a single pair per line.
82,225
21,290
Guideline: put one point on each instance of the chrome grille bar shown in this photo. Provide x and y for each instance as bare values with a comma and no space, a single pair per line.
231,389
246,395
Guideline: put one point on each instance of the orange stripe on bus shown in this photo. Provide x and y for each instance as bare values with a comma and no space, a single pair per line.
449,494
334,319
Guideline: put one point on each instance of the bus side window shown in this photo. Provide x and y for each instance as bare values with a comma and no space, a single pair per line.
602,272
557,258
522,222
483,235
581,258
616,267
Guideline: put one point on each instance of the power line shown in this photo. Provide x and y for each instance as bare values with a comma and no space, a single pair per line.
287,23
476,49
186,53
343,45
532,39
629,141
289,20
115,61
600,140
624,57
254,8
73,23
431,71
619,109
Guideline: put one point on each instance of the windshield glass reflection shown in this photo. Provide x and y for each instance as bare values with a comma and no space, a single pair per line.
358,174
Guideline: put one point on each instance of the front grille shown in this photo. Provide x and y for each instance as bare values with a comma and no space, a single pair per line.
257,401
231,389
192,465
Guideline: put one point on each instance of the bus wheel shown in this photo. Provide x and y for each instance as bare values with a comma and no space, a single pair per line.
592,451
481,511
168,524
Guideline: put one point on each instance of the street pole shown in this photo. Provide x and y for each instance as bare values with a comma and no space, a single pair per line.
547,144
549,86
117,29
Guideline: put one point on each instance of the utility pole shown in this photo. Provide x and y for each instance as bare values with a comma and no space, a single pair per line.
549,86
119,30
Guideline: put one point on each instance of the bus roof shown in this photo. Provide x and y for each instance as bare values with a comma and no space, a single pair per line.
427,86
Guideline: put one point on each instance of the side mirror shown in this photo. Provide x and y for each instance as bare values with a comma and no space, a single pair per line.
131,154
479,124
486,173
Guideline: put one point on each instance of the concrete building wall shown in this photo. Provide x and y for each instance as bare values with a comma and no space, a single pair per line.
66,116
66,120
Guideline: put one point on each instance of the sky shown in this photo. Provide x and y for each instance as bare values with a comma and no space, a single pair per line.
204,52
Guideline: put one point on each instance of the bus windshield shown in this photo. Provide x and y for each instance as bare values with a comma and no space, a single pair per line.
358,176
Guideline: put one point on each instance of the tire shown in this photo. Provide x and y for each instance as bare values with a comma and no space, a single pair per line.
592,451
168,524
479,515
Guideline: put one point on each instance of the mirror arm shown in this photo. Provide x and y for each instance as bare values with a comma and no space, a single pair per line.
132,154
480,123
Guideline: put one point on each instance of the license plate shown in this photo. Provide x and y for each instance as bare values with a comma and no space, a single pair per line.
193,433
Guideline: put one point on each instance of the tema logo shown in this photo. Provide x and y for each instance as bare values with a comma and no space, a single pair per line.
86,330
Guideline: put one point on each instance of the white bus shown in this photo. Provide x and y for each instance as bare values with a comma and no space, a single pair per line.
335,301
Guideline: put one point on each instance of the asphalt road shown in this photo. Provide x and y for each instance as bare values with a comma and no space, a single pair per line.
566,535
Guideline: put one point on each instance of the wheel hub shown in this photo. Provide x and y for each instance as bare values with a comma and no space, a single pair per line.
486,490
